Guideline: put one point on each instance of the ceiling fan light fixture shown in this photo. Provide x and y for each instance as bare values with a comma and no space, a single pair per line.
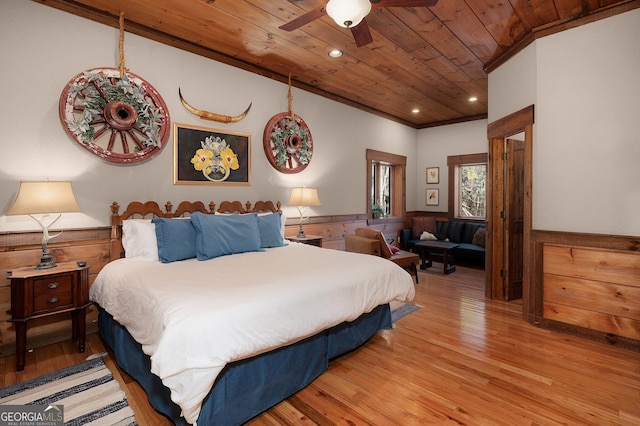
348,13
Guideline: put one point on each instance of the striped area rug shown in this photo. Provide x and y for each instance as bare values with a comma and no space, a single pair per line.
88,392
401,310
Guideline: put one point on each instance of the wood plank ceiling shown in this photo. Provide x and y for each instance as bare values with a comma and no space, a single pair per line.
430,58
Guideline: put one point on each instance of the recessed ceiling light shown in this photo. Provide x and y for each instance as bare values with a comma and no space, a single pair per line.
473,99
335,53
415,110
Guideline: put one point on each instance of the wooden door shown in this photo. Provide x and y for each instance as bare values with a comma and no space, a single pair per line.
514,218
497,242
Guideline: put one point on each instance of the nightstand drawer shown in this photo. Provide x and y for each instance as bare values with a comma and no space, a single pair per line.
52,293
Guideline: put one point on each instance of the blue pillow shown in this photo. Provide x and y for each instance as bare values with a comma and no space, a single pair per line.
176,239
270,232
218,235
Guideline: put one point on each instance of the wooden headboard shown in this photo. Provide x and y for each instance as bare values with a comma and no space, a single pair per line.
151,209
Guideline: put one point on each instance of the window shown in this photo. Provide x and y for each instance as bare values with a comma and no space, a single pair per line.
381,188
471,180
467,186
385,184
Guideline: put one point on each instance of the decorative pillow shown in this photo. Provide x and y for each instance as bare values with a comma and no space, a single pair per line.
385,250
428,236
419,224
480,237
270,226
283,220
139,239
394,249
218,235
176,239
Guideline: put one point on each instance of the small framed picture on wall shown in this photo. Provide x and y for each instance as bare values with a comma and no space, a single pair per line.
432,196
433,174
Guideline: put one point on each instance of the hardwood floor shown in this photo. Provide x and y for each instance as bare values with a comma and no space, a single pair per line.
459,360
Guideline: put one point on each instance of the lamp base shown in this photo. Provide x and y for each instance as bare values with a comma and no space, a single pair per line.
301,233
46,261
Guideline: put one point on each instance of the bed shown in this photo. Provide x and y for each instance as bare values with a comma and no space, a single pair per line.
218,317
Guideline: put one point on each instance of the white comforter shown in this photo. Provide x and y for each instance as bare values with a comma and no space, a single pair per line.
193,317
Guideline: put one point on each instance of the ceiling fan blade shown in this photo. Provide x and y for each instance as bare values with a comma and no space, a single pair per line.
304,19
403,3
361,33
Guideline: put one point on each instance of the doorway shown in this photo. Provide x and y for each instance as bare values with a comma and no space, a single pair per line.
513,217
509,206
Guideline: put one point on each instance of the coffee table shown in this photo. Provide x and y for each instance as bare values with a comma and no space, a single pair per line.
426,249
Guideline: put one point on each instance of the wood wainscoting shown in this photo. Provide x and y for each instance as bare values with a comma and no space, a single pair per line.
588,285
334,228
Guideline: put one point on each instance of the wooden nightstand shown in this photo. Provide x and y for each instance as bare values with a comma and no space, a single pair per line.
37,293
312,240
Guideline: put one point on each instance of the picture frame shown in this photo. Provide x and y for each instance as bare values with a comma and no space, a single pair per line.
433,174
432,197
207,156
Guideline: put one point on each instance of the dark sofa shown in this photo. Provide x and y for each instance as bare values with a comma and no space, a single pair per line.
472,243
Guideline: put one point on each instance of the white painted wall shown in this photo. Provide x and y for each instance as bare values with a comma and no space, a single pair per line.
43,48
585,87
435,144
583,82
587,148
512,86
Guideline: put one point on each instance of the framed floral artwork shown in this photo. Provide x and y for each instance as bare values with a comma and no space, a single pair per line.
433,174
432,197
204,156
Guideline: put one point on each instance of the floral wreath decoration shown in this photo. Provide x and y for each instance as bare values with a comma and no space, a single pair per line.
101,105
287,140
215,159
288,144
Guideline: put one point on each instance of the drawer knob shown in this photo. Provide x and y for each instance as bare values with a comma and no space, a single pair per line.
53,285
53,300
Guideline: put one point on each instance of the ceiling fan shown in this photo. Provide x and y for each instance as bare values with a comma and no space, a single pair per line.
351,14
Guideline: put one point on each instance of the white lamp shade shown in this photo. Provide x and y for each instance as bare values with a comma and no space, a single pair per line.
44,197
304,197
348,13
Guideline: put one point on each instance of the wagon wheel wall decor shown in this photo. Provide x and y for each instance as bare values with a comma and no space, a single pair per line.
287,143
118,117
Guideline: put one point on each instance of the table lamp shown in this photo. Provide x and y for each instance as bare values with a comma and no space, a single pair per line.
303,198
44,198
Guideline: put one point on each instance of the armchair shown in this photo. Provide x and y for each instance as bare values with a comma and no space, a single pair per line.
370,241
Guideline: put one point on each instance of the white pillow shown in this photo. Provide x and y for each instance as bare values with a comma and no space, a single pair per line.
427,236
139,239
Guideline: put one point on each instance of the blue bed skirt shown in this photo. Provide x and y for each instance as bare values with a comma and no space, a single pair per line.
246,388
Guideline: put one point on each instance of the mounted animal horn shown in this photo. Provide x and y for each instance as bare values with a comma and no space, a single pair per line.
206,115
